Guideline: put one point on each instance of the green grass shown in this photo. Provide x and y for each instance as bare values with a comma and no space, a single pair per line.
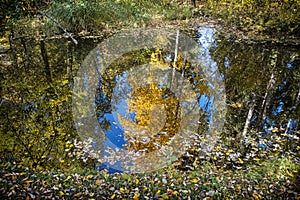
94,16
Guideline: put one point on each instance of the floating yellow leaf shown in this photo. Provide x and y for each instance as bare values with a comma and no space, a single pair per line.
78,194
289,174
61,193
236,105
194,180
274,130
136,196
137,181
89,176
239,187
98,182
68,178
113,196
91,194
165,196
256,196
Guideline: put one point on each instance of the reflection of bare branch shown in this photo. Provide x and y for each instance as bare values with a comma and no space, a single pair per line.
56,22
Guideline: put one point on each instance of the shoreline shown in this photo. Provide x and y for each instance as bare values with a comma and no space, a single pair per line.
230,33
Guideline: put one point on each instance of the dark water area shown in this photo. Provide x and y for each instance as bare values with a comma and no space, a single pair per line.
259,82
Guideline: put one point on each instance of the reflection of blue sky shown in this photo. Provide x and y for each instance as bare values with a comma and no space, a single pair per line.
210,67
278,109
115,134
226,62
204,102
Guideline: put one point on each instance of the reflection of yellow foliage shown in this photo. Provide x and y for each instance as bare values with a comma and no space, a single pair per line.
158,58
157,114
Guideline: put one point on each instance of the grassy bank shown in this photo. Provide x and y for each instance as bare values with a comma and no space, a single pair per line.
275,178
224,173
82,17
258,20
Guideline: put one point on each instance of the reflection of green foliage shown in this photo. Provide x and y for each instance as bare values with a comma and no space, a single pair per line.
247,72
12,10
35,113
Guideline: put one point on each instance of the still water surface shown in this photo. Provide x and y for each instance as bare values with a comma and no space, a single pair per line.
260,83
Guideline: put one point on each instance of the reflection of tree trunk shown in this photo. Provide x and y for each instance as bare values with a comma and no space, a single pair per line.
296,109
26,54
266,100
70,63
175,60
12,45
248,120
46,61
269,90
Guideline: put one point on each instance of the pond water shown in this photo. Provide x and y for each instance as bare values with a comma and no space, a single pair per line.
146,105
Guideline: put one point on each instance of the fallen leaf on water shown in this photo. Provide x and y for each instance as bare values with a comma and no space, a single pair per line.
98,182
194,180
61,193
136,196
78,194
113,196
256,196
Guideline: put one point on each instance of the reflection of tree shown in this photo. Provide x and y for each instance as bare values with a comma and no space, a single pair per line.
261,83
108,82
156,120
157,110
35,109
